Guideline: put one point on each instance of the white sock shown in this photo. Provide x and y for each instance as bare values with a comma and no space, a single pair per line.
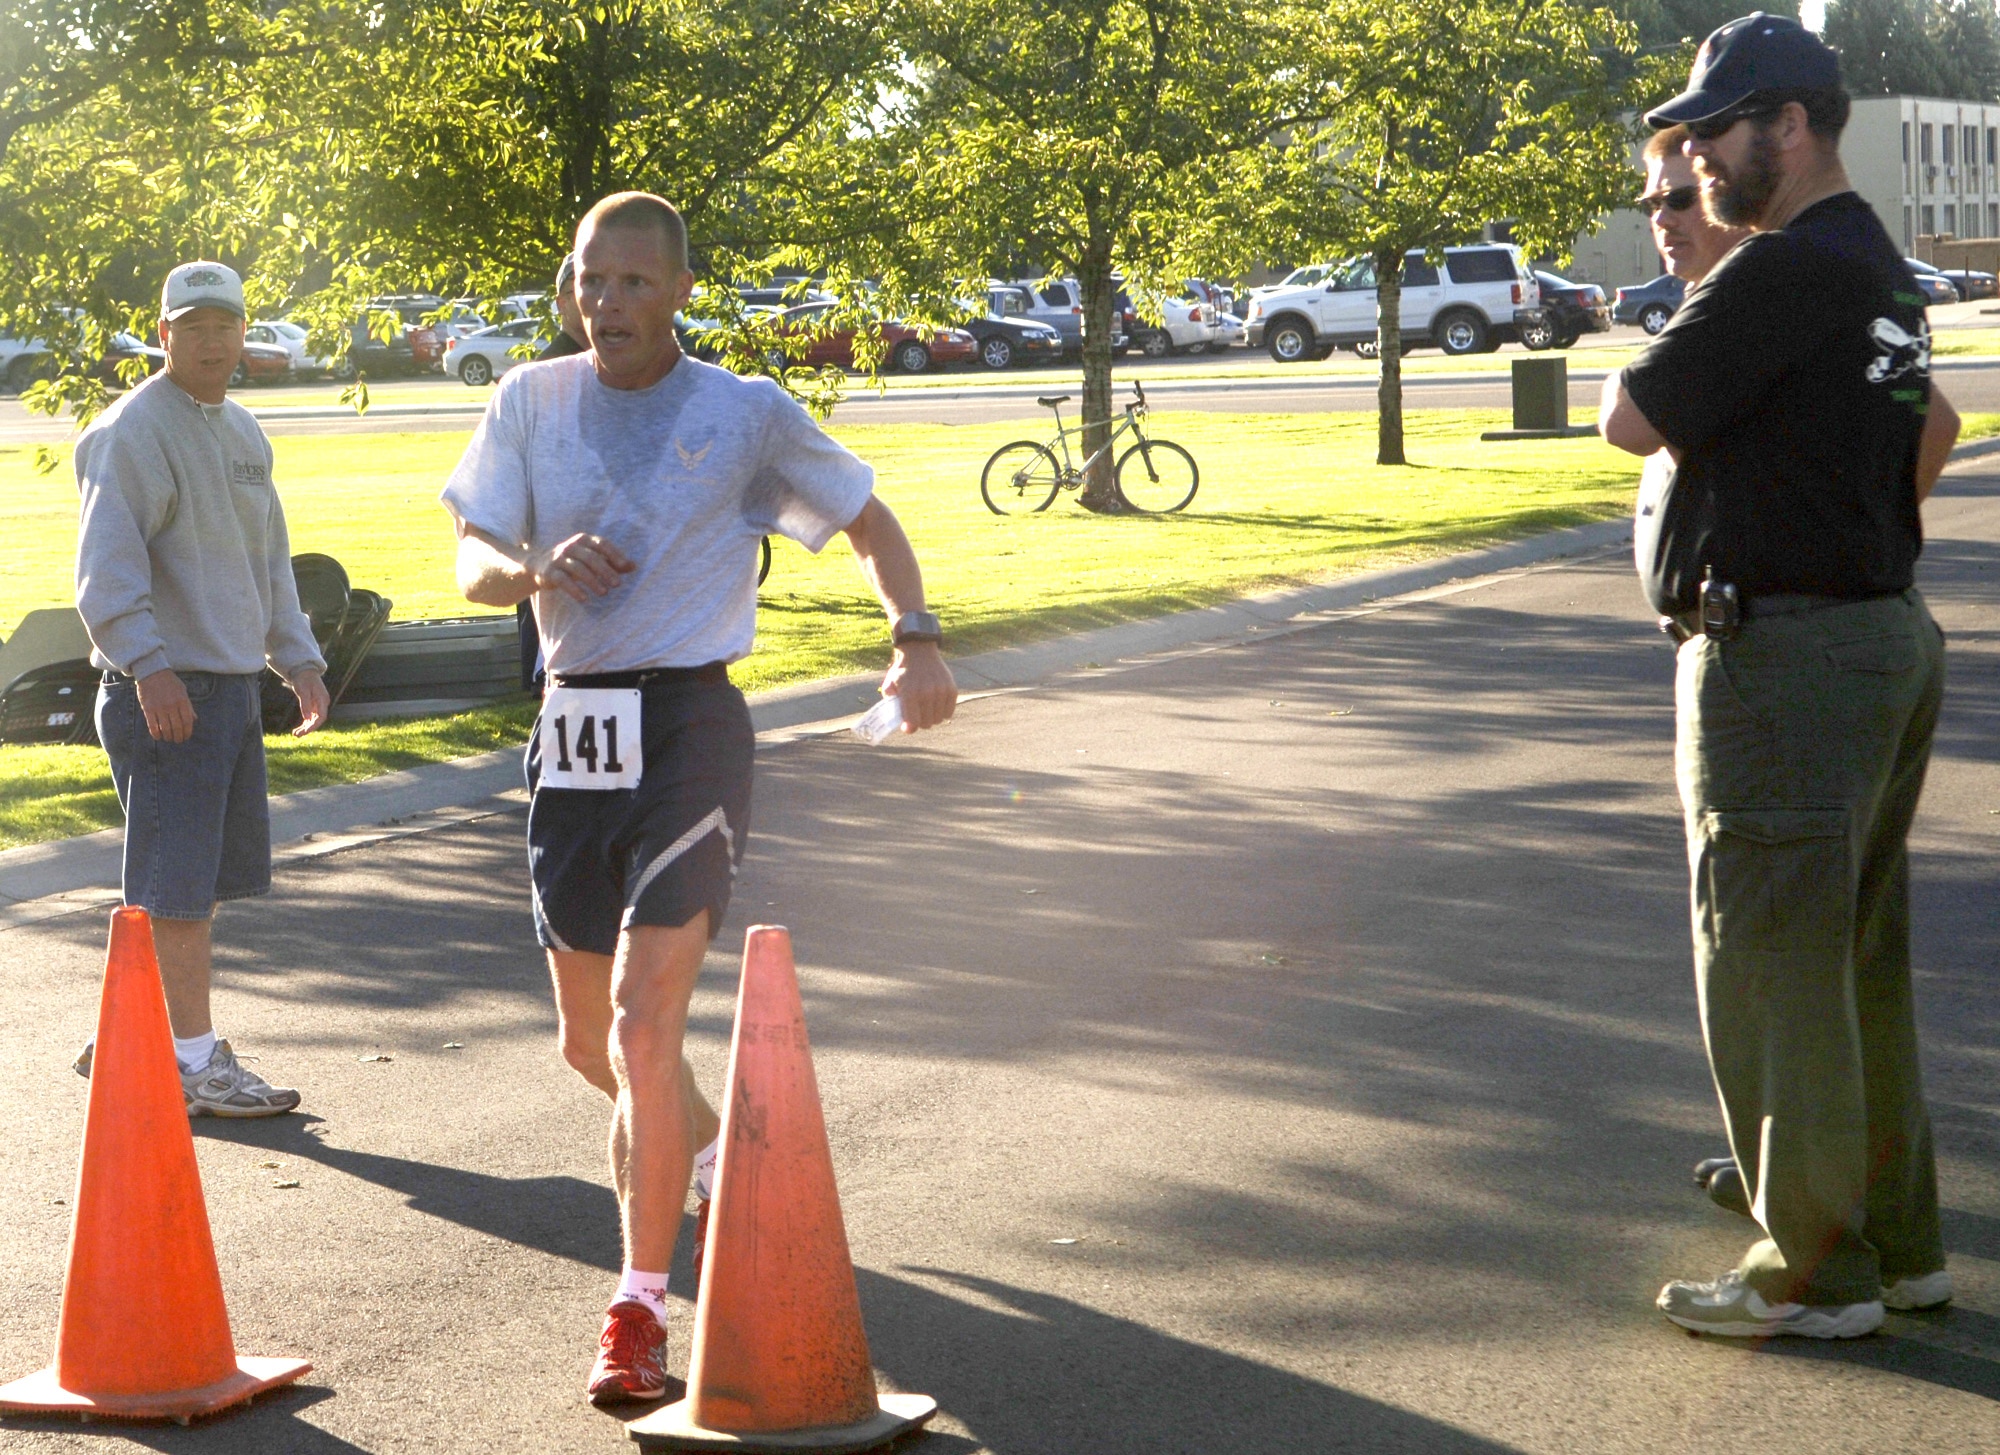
704,1171
195,1052
647,1288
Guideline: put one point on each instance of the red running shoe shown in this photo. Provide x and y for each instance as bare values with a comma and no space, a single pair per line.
700,1239
631,1357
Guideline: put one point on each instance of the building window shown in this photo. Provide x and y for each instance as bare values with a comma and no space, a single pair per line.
1969,149
1949,133
1929,221
1907,240
1993,146
1924,142
1993,219
1906,157
1971,220
1950,220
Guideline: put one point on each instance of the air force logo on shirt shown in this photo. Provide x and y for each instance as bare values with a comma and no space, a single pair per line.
691,459
1897,352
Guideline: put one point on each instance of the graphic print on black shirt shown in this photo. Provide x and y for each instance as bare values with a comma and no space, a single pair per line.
1794,381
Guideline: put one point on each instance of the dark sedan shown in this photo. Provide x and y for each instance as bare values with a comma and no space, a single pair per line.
1573,309
1649,305
1971,283
1006,341
1935,287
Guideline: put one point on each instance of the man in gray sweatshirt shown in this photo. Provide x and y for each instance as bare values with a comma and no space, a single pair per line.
184,580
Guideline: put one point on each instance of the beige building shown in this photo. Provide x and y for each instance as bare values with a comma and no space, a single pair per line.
1930,168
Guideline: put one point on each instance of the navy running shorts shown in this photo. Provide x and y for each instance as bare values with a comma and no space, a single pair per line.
657,854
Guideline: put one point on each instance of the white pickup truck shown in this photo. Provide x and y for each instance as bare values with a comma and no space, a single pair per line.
1479,299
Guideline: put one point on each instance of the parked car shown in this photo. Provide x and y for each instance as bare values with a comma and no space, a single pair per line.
1298,278
1187,324
289,336
1649,305
1572,309
909,350
1229,332
28,359
426,346
261,363
1971,283
480,358
1006,339
1482,297
1934,285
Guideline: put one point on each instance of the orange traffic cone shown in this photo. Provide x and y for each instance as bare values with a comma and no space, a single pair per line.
780,1360
144,1333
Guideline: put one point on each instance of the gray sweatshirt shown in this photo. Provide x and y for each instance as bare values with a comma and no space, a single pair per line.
183,560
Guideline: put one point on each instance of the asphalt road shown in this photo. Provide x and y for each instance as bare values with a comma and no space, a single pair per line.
1973,384
1332,991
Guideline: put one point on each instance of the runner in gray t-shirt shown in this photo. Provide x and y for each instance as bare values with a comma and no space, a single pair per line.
625,492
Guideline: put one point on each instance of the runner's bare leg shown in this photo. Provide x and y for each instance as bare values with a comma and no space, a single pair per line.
653,1125
584,1021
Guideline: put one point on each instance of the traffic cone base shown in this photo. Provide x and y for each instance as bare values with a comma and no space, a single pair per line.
40,1394
673,1428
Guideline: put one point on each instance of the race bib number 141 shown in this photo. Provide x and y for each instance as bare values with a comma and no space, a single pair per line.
590,738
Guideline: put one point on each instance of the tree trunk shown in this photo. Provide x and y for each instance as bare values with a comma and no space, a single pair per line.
1389,344
1100,491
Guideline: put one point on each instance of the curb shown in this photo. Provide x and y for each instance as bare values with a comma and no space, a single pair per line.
39,881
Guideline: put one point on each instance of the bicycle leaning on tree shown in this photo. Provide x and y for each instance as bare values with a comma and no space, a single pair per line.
1153,476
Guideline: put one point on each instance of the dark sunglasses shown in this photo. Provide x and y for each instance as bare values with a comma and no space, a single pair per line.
1674,199
1715,126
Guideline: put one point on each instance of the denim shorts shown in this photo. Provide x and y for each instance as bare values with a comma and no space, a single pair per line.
197,814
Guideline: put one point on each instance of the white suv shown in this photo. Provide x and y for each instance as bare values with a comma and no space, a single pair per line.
1481,298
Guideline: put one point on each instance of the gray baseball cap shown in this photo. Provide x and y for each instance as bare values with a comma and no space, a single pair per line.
566,275
201,285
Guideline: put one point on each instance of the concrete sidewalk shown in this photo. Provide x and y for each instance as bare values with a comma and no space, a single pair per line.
62,875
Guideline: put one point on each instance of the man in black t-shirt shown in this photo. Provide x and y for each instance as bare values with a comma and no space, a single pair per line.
1792,392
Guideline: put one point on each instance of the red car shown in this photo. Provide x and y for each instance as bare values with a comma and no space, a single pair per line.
262,364
908,349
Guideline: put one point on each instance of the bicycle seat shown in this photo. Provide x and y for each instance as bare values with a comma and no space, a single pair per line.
1050,401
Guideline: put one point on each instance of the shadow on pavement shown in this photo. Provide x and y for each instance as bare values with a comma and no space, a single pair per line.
564,1217
1041,1375
267,1425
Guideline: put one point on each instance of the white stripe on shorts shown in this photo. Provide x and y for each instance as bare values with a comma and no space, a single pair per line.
663,860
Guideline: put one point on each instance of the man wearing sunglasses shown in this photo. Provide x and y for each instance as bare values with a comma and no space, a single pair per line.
1792,392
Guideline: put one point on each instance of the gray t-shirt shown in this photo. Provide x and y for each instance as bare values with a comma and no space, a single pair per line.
684,477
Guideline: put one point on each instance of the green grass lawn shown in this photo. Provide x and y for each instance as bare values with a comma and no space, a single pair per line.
1284,499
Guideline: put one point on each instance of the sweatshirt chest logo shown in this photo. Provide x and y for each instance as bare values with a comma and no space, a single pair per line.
691,459
248,472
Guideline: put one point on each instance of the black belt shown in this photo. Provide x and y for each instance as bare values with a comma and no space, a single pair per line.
711,672
1686,625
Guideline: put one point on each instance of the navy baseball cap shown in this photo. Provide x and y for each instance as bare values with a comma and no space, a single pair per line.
1757,53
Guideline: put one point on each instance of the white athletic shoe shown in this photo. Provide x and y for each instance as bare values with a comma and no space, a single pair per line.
1733,1309
1922,1290
227,1088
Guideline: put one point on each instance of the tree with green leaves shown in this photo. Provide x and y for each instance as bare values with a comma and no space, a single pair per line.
1084,139
332,152
1441,117
1947,48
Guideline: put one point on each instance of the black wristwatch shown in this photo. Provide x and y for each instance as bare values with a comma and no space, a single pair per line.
916,626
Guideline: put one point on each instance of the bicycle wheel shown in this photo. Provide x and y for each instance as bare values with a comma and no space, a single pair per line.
1157,477
1020,479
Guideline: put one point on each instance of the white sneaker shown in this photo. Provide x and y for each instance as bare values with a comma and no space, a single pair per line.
1733,1309
1922,1290
227,1088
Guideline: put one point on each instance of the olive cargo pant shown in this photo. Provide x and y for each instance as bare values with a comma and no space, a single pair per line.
1800,753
